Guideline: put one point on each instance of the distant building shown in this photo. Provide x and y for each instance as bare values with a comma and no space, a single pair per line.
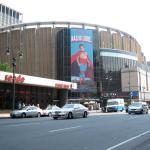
9,16
148,63
136,81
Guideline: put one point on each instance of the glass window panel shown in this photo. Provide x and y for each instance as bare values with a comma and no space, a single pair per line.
3,9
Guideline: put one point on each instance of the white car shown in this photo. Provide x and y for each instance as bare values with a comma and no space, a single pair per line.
70,111
49,110
27,111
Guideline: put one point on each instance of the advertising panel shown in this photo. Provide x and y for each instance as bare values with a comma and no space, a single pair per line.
82,59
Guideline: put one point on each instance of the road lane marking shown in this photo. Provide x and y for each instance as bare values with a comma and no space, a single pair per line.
131,118
23,124
129,140
51,131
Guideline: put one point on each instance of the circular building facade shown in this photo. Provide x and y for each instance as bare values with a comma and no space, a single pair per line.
87,54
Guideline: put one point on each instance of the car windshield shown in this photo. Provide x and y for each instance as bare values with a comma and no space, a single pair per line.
52,107
55,107
69,106
24,108
81,106
136,104
112,103
49,108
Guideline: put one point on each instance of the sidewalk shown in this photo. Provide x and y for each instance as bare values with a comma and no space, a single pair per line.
6,113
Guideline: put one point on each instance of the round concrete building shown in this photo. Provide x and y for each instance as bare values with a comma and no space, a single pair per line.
87,54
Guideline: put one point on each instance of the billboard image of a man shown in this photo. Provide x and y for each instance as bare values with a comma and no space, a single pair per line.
82,71
81,64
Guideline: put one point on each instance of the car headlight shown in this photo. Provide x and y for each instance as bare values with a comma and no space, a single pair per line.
64,112
15,113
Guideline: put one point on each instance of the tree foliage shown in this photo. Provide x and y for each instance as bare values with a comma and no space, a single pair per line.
5,67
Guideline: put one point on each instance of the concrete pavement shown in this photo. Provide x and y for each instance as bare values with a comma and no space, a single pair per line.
111,132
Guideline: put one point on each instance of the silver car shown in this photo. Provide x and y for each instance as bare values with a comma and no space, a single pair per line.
49,110
138,107
27,111
70,111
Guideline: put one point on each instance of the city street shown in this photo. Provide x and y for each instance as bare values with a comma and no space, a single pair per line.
99,132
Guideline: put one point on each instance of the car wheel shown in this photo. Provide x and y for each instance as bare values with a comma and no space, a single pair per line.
23,115
85,115
121,110
70,116
129,113
50,114
55,118
39,115
142,112
12,116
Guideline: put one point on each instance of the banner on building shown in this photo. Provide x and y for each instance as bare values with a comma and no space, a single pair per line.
82,59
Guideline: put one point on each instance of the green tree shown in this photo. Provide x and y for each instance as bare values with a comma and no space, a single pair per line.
5,67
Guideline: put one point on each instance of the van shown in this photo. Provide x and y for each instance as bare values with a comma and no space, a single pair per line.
114,105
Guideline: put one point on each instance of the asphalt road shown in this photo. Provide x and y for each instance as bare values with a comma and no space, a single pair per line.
101,132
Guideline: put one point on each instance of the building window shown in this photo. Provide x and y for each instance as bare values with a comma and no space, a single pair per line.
3,9
17,15
14,14
7,10
10,12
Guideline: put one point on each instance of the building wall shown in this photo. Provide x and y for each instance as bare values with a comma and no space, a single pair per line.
117,41
136,79
126,43
133,45
105,39
37,45
112,61
129,80
46,51
148,81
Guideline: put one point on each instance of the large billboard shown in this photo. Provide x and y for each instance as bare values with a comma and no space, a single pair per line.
82,58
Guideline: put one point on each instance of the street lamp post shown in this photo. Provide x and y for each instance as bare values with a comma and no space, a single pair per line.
20,54
14,93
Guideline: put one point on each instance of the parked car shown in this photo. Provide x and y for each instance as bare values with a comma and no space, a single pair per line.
27,111
48,111
138,107
70,111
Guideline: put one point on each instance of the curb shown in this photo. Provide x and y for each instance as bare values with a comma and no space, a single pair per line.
91,113
3,116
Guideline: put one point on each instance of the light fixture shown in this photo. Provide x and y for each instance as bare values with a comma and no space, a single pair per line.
8,51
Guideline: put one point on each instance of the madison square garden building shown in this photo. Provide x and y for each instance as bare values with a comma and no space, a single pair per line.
87,54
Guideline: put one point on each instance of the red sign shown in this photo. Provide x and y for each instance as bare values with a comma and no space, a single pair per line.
62,86
18,79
